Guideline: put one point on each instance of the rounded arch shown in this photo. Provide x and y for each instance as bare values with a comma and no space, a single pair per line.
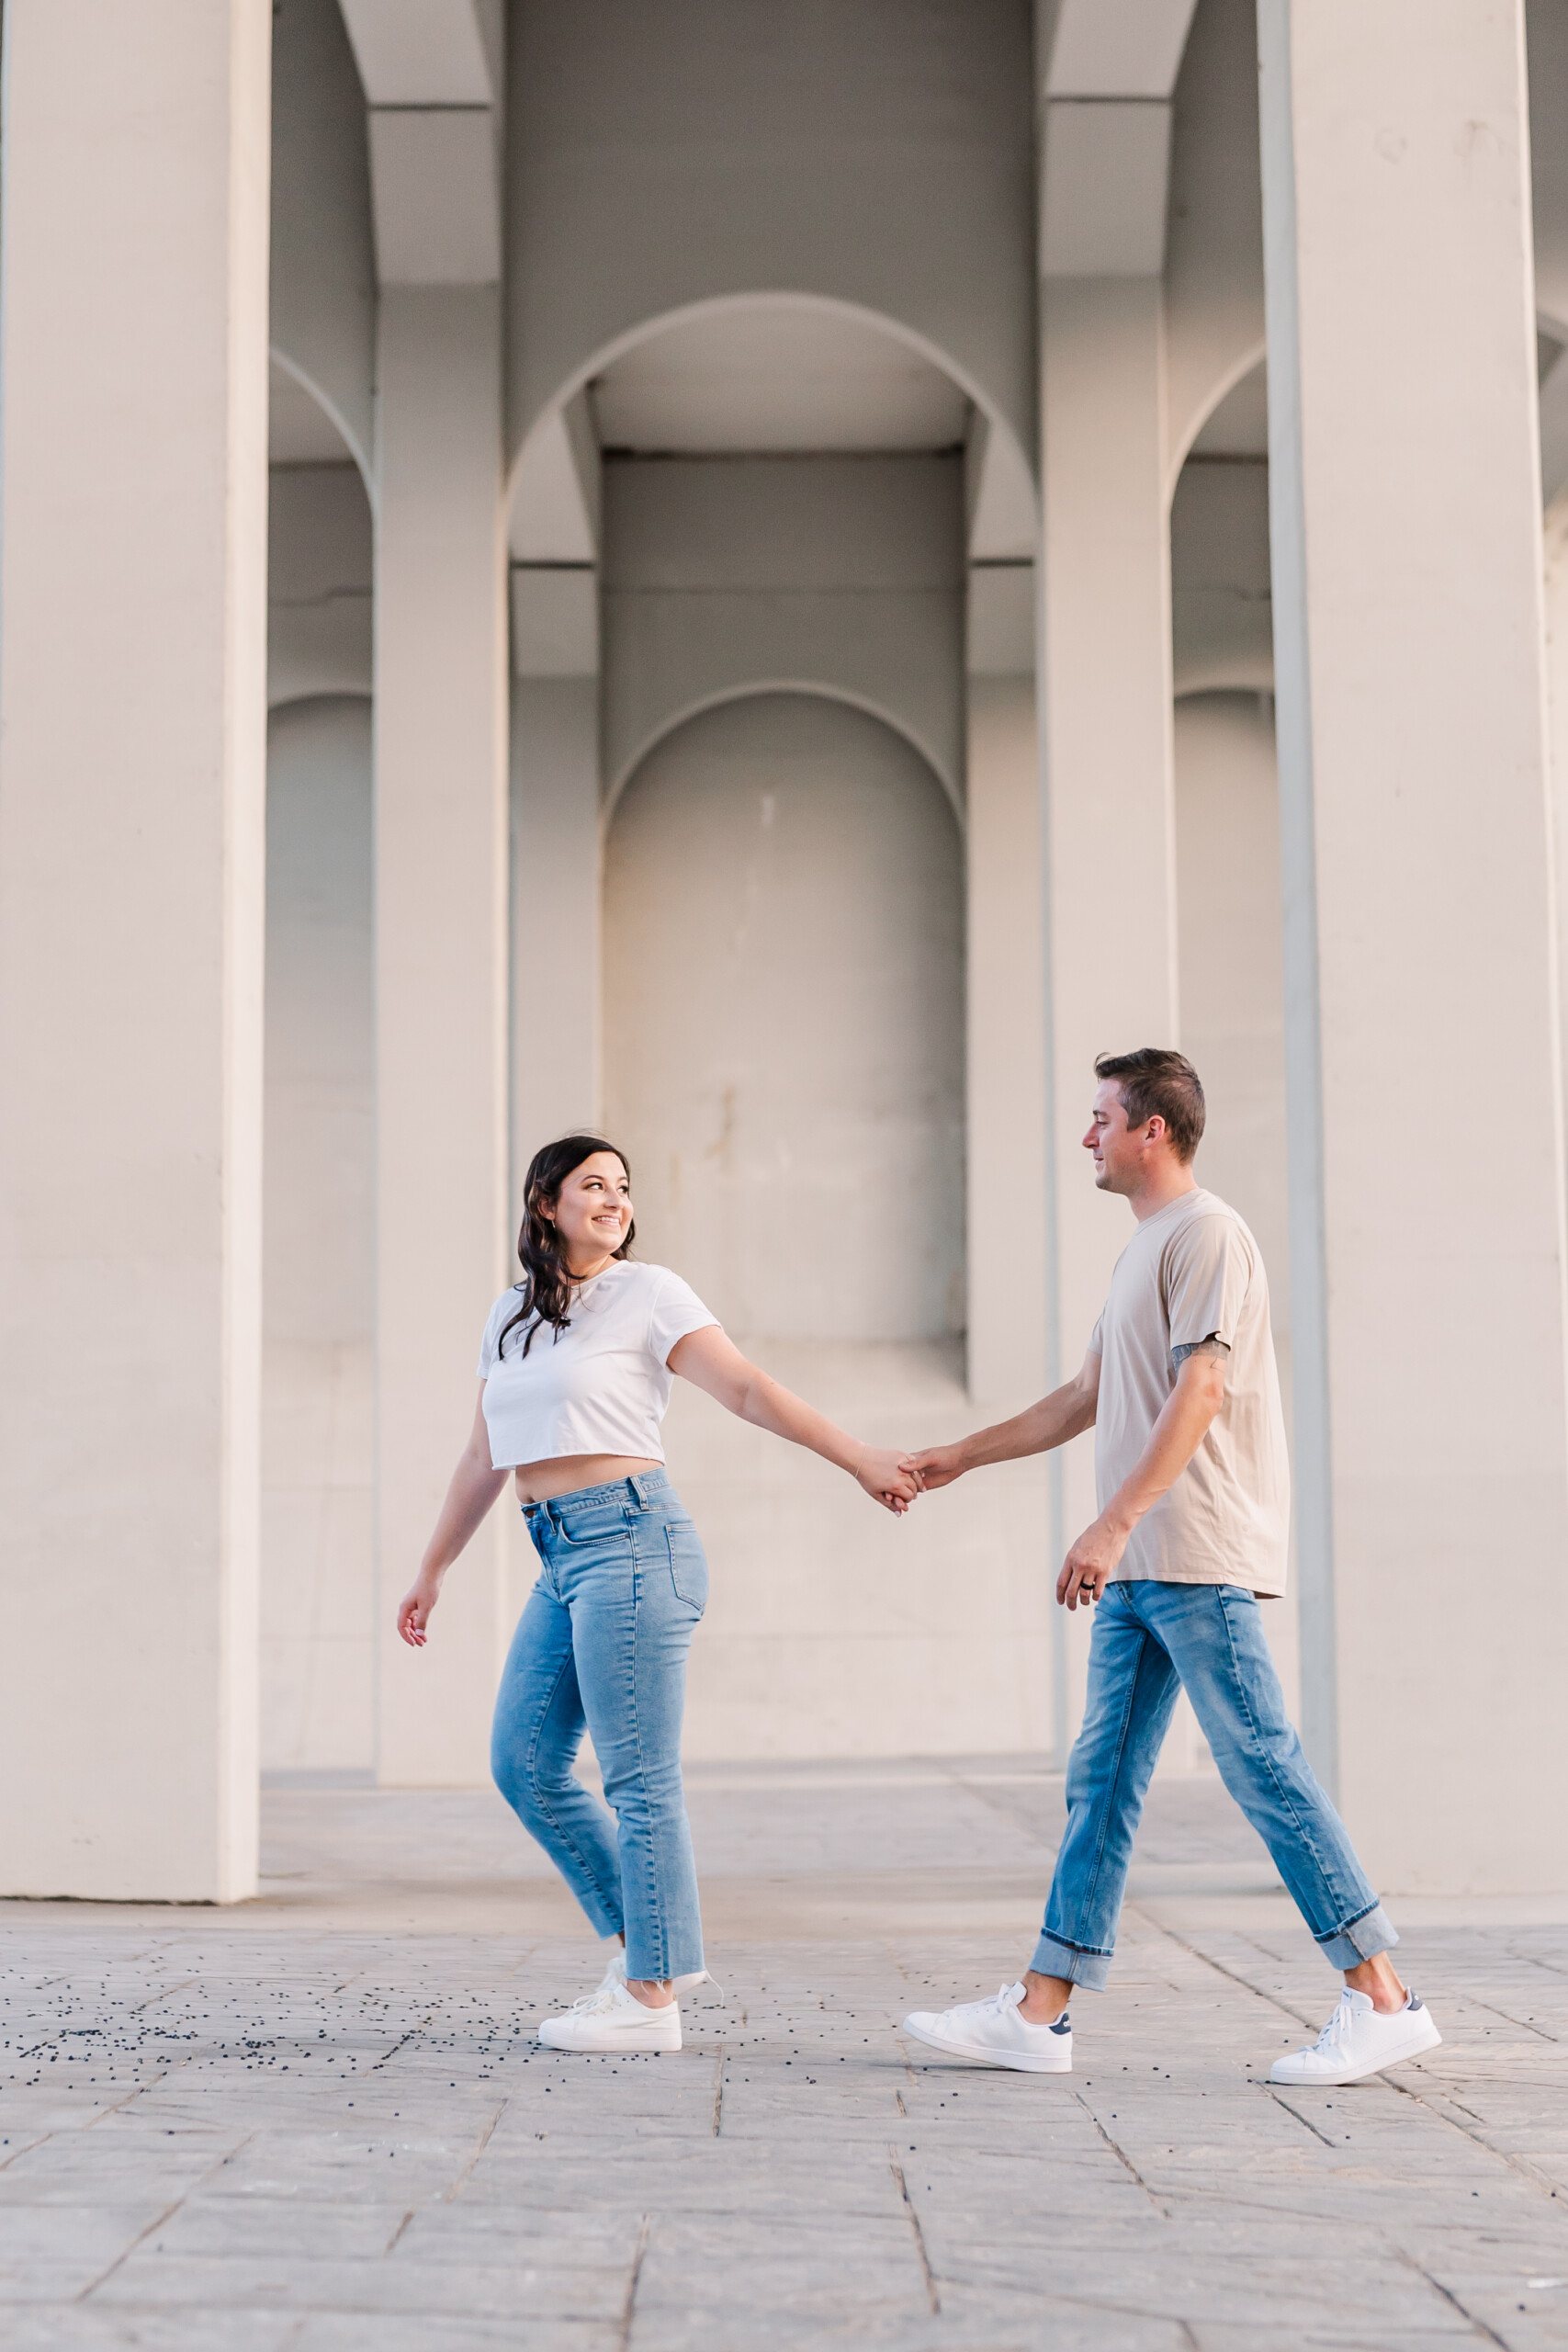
333,413
717,305
1236,370
810,690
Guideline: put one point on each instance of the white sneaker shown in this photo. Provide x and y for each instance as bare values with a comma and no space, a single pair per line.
613,2019
1359,2039
991,2033
615,1973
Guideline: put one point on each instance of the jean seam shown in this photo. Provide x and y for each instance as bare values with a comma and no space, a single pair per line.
1104,1825
612,1895
1286,1800
650,1872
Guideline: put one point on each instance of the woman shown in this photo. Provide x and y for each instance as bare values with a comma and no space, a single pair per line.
574,1376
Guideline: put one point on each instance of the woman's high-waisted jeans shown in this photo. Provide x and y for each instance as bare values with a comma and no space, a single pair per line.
603,1643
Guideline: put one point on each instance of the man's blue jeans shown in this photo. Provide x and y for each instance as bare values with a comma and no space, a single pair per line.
1150,1641
602,1644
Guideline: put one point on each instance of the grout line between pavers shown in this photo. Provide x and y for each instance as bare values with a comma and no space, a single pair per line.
932,2298
1122,2156
1311,2126
1487,2335
628,2308
167,2215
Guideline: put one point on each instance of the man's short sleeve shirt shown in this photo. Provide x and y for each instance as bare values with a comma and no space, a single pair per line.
1193,1273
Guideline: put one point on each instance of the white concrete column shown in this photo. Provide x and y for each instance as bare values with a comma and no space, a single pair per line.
555,911
1421,1033
441,976
1107,773
132,721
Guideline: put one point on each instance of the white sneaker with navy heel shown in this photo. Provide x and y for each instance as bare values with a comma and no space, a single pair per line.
992,2033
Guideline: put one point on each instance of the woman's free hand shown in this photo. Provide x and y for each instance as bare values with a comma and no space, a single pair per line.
886,1480
414,1608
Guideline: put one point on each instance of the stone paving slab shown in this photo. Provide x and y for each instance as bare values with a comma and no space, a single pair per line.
321,2123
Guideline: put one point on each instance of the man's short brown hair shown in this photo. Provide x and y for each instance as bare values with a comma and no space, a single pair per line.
1157,1081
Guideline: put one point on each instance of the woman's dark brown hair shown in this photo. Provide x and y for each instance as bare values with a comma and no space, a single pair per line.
546,1285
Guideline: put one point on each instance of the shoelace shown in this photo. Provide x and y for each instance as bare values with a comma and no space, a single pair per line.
602,1998
1334,2031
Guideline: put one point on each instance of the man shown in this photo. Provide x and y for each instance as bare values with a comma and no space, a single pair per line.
1193,1481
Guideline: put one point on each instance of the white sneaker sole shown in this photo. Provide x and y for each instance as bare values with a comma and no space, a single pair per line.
598,2043
1423,2035
1018,2060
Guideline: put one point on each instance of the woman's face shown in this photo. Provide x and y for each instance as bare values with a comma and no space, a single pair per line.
593,1209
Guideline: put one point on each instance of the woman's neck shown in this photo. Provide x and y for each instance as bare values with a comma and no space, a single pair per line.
592,1270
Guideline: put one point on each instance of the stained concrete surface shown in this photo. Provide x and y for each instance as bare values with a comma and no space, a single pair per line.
320,2121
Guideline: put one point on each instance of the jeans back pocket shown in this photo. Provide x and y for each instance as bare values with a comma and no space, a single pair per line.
688,1564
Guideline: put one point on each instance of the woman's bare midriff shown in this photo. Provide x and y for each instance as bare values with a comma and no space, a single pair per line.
546,1482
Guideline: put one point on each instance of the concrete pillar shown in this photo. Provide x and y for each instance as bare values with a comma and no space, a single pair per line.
131,881
441,973
555,910
1109,791
1426,1147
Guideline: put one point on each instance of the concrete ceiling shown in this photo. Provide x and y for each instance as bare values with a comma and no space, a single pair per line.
300,431
773,378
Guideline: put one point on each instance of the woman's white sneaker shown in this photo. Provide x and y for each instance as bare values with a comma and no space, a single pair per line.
613,2019
1359,2039
992,2033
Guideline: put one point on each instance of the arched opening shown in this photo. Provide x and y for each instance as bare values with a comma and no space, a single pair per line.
784,1020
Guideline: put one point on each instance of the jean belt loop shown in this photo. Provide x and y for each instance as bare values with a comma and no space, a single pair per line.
639,1484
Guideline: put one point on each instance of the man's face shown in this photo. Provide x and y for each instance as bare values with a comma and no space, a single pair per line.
1119,1153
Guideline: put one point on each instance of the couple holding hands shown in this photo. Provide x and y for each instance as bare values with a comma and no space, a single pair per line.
1179,1386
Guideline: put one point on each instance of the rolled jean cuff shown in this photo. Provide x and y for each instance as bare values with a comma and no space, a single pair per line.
1362,1940
1089,1969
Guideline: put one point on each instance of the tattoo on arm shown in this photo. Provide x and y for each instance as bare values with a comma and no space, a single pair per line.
1209,1346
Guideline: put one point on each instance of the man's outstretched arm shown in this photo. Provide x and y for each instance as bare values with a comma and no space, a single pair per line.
1055,1419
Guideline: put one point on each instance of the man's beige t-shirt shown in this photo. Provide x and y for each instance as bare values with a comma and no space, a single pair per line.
1192,1273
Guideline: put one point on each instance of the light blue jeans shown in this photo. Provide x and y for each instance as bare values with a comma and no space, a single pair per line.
1151,1640
601,1645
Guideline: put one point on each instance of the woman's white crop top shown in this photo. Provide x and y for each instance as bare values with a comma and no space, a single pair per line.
599,1386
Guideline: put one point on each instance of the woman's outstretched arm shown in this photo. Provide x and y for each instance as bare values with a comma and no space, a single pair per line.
711,1361
474,1487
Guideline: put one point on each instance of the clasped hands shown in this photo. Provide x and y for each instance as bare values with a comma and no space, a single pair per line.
896,1480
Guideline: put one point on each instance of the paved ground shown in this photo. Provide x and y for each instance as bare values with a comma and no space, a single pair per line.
321,2123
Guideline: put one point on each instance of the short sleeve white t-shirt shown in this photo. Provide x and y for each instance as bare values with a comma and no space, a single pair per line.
602,1386
1193,1273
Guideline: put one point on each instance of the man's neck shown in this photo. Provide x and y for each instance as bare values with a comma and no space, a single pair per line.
1161,1186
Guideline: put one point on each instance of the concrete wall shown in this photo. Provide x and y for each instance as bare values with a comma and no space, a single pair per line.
317,1582
783,1030
876,155
844,573
1227,865
319,568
